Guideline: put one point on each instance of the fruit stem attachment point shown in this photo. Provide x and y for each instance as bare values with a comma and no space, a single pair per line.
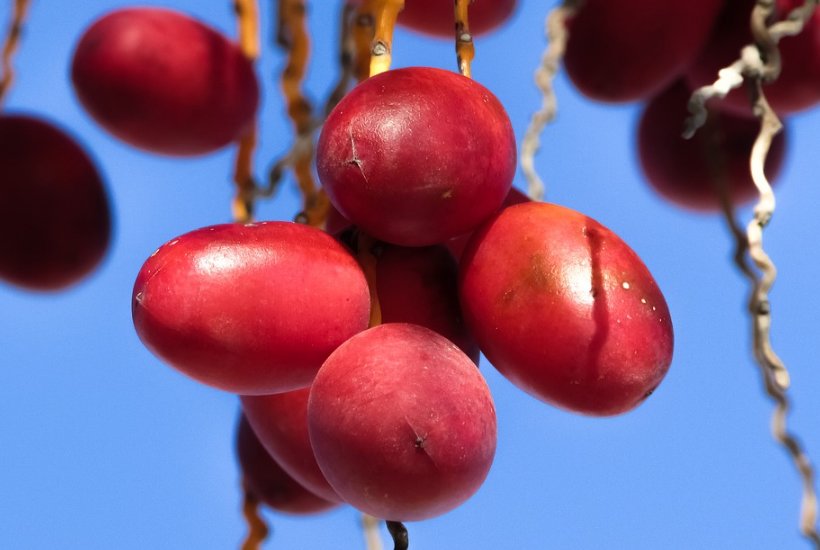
386,13
555,30
12,41
257,528
465,49
401,539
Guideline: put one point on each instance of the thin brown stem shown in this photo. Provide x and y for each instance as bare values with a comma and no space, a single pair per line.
11,43
257,528
364,29
247,16
401,539
557,35
293,37
465,49
381,50
346,55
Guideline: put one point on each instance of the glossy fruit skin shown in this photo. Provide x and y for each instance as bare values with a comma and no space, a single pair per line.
280,422
797,87
626,50
402,423
251,309
565,309
164,82
436,17
55,223
420,286
416,156
268,482
692,172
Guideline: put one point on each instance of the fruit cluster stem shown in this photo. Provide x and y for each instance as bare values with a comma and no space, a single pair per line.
247,16
465,49
363,32
381,55
555,30
760,63
370,527
11,43
401,539
257,528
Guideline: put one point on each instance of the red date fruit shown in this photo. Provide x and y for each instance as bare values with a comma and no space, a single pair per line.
621,50
280,422
694,172
268,482
162,81
420,286
436,17
565,309
402,423
797,86
251,309
416,156
55,223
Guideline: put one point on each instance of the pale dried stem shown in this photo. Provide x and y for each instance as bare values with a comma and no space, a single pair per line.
11,43
257,528
381,51
760,63
557,35
364,29
465,49
370,528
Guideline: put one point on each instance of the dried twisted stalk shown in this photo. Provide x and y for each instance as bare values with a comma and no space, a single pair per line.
465,49
247,16
557,35
257,528
759,63
13,34
381,51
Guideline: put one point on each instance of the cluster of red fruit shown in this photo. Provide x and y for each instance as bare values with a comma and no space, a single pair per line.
355,348
608,59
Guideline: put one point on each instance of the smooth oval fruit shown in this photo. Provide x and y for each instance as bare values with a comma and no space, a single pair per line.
402,423
268,482
627,50
436,17
164,82
416,156
565,309
694,173
280,422
798,85
251,309
55,223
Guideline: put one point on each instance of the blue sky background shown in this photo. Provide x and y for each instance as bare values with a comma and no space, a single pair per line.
102,446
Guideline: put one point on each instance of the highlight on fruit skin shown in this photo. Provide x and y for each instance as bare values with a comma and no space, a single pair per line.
627,50
694,173
162,81
250,308
265,479
402,423
564,309
416,156
55,219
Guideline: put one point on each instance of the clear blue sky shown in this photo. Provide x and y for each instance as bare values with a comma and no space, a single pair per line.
102,446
